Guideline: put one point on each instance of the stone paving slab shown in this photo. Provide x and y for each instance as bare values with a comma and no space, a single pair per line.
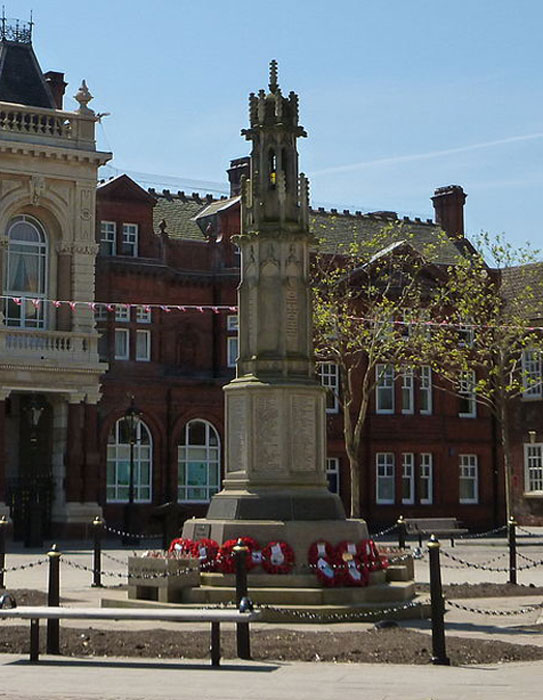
117,679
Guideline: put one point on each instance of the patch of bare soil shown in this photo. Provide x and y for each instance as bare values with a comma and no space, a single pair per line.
388,645
385,645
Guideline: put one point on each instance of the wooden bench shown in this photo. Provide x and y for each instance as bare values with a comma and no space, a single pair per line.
215,617
424,527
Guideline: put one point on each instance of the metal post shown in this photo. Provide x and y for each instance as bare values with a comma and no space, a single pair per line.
97,525
3,524
53,599
402,531
240,552
439,655
512,538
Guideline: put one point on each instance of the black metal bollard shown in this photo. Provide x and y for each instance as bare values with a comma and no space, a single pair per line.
3,525
97,525
402,532
53,600
439,655
512,538
241,552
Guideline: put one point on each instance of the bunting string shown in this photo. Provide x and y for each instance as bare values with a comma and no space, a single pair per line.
38,302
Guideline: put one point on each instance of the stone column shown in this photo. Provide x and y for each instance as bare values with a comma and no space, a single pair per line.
74,449
64,289
58,457
3,507
3,253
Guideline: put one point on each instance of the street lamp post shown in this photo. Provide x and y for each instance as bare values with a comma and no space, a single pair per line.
132,417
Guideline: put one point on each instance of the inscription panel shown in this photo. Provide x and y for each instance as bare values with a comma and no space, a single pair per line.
268,434
304,433
237,433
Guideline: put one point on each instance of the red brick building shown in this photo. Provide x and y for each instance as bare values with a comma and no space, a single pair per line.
137,298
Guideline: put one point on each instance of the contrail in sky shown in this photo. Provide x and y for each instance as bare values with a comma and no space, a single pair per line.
424,156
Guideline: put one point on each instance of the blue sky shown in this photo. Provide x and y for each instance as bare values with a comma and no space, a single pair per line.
398,97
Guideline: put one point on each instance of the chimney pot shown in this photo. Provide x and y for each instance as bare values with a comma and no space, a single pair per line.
449,208
238,168
57,85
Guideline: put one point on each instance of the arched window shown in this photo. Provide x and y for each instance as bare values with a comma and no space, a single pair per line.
118,463
26,273
198,462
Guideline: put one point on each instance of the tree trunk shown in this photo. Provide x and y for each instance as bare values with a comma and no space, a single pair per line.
506,458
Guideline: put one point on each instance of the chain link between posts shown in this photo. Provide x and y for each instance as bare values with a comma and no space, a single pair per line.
21,567
482,567
496,613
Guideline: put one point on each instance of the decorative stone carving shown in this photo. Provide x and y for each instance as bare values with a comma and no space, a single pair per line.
37,188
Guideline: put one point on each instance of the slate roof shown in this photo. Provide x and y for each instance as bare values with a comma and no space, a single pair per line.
334,229
21,79
515,279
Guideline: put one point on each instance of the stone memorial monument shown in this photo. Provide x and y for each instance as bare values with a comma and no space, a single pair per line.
275,484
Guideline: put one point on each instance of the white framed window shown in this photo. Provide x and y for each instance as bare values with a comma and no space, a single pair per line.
426,483
466,335
385,491
143,346
329,376
231,350
118,463
408,477
130,240
122,345
25,278
466,392
100,312
198,463
532,378
425,391
533,468
384,390
108,238
122,313
143,314
408,393
232,345
468,490
332,474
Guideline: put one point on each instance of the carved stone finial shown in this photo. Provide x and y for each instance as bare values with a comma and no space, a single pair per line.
162,227
273,76
83,96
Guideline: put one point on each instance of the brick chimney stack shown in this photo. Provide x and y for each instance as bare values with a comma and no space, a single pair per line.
56,84
238,168
449,208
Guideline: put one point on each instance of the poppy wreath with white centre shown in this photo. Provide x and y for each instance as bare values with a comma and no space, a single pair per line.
322,559
206,551
277,558
181,545
351,568
225,558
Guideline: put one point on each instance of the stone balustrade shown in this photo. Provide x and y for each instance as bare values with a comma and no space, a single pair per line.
22,346
47,126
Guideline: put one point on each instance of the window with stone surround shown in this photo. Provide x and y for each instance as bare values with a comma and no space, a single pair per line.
198,462
25,275
130,240
332,474
118,463
533,468
108,238
385,475
532,379
329,376
469,479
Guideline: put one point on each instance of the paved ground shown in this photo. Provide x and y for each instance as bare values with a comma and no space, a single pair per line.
118,679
